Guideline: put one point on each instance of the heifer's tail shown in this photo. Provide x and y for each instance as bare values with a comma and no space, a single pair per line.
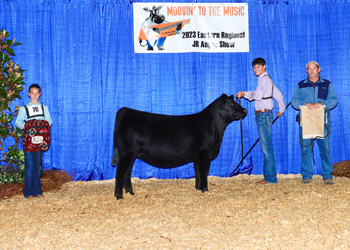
118,117
115,158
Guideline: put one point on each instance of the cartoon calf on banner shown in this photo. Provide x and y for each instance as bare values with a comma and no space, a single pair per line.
155,29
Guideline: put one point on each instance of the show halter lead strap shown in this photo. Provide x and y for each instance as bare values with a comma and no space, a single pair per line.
239,100
241,162
40,154
36,164
41,163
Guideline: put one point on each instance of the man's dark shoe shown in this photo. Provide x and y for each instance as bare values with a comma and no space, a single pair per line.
328,182
306,181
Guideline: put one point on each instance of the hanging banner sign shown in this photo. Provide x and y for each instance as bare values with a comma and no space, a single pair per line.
190,27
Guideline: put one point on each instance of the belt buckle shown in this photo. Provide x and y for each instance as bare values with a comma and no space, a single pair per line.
261,111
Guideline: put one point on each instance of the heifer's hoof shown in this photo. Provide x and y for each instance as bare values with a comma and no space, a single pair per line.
198,188
119,197
130,192
204,190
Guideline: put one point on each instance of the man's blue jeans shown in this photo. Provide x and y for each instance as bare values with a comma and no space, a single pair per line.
264,121
325,152
32,185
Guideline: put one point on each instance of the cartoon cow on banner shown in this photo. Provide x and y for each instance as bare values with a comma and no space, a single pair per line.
155,29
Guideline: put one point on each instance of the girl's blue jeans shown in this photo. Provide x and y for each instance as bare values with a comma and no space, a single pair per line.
264,121
32,185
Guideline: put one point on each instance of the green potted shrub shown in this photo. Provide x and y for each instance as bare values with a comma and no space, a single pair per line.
11,85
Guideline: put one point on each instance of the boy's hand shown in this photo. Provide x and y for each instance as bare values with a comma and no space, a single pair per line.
240,94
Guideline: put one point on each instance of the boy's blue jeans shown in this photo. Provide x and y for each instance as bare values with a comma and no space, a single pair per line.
325,152
264,121
32,185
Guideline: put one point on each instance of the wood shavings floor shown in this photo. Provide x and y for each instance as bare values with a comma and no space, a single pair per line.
236,213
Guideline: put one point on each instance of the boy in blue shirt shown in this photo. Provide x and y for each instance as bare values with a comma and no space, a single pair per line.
32,185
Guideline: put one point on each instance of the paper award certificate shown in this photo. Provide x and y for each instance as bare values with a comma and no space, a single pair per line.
312,122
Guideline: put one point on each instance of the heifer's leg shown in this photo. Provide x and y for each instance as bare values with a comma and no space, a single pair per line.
203,167
123,168
204,175
127,182
197,178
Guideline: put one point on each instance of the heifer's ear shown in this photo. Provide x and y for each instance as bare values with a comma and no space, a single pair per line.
157,8
231,97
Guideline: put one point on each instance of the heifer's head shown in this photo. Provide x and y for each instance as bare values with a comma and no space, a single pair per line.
230,110
154,14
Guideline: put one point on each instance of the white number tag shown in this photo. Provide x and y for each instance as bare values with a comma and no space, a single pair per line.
35,110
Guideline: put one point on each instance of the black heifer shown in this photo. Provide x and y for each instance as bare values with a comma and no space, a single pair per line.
168,141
